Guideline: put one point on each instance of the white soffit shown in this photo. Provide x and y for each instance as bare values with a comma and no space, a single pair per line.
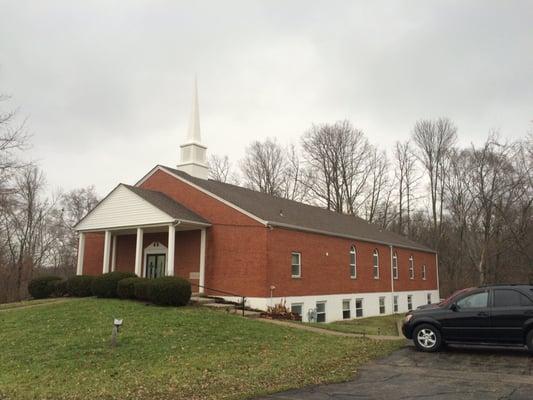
122,208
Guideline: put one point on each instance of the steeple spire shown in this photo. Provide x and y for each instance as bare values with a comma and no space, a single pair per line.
193,134
193,152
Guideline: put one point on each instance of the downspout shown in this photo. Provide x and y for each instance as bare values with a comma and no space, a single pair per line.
437,270
391,280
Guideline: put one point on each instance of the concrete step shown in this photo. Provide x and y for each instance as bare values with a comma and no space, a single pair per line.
202,300
220,306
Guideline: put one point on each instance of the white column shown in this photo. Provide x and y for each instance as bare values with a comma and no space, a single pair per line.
114,254
139,252
202,261
171,249
107,251
81,253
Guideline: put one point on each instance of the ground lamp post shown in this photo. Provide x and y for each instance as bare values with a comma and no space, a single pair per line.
117,323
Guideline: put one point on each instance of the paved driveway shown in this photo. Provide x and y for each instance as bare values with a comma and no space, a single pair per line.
456,373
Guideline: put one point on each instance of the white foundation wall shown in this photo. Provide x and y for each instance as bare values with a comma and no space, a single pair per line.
333,302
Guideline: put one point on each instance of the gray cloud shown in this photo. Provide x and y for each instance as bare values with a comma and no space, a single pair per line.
107,85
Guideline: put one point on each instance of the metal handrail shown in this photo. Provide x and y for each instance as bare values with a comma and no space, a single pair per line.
243,298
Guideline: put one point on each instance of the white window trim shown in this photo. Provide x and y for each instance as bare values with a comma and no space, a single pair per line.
299,264
424,272
349,309
395,307
395,269
362,307
409,297
411,267
374,266
380,300
316,305
298,304
353,251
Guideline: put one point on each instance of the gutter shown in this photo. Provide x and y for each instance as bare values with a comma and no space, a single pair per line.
328,233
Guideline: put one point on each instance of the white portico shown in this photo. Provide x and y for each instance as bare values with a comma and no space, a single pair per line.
154,221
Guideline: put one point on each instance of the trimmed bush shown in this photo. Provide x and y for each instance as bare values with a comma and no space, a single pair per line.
126,287
170,291
60,288
106,284
80,285
43,286
142,288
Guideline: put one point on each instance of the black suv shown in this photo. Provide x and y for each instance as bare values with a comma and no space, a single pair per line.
496,314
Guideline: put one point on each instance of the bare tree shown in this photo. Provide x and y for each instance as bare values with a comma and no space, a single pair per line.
434,141
337,158
25,222
406,177
264,167
13,139
219,168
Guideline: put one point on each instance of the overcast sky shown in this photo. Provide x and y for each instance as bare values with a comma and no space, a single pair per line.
107,85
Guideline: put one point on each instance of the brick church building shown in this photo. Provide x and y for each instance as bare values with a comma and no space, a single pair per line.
324,265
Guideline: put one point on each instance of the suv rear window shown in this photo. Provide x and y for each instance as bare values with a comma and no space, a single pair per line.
510,298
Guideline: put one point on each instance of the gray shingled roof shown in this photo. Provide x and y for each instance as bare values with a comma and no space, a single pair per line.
167,205
282,212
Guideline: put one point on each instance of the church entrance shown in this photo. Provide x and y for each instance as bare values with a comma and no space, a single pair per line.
155,265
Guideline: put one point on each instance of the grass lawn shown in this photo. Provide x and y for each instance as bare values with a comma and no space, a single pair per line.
61,351
383,325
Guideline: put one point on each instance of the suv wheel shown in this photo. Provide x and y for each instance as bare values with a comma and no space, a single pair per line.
529,340
427,338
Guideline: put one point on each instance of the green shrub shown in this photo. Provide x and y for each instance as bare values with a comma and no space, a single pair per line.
170,291
142,288
80,285
106,284
43,286
60,288
126,287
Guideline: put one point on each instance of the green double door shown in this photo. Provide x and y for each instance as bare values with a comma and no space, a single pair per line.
155,265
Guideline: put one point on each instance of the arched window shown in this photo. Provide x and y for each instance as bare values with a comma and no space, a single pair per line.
376,264
411,268
395,272
353,263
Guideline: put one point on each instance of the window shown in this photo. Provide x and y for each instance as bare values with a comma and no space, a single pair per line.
320,311
346,309
395,304
358,308
411,268
409,302
476,300
382,305
424,272
353,263
510,298
376,264
429,298
296,265
296,308
395,266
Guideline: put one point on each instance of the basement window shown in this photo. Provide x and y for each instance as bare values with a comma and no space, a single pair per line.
358,308
296,308
346,309
409,302
320,311
395,304
429,298
296,267
382,305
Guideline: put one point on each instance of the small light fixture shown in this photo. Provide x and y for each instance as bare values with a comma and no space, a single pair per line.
117,323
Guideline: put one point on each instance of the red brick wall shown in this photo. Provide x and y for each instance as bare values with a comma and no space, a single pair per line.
236,243
404,283
330,274
93,256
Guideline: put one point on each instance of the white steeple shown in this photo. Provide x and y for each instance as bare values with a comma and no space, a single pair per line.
193,152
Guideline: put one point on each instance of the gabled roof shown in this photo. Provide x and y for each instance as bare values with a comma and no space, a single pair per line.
127,206
276,211
167,205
